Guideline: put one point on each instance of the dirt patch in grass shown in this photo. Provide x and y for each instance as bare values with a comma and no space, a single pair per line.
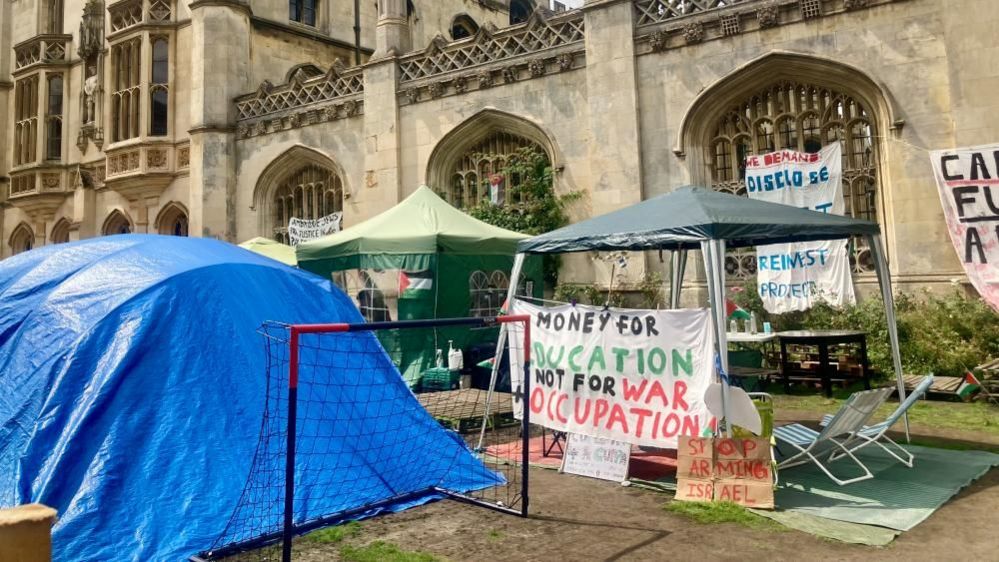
577,518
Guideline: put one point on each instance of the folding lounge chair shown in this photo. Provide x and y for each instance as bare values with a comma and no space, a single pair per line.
876,434
811,444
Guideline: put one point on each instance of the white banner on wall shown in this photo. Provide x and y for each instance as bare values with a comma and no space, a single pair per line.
304,230
636,376
968,182
796,276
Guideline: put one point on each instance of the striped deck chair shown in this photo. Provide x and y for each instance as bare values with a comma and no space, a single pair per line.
876,434
811,444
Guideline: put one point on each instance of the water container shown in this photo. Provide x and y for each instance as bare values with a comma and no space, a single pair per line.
455,360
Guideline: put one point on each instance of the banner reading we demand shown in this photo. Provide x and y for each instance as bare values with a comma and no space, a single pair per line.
636,376
796,276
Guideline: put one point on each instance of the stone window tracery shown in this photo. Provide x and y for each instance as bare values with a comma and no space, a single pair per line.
310,192
801,117
125,97
25,120
472,173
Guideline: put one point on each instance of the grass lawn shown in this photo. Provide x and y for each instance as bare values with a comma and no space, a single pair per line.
722,512
970,416
377,551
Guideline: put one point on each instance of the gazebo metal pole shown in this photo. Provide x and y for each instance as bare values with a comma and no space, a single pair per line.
884,280
678,263
511,292
714,265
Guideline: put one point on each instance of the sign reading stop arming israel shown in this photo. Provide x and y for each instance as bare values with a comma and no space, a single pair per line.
305,230
968,182
636,376
795,276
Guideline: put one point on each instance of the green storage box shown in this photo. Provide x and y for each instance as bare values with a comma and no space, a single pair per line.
440,378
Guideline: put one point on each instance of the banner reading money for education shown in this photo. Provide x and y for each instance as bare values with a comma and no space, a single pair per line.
798,275
636,376
968,182
304,230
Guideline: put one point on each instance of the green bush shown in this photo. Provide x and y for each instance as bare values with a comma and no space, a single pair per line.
532,205
941,334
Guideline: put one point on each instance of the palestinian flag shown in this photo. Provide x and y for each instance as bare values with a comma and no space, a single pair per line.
733,310
487,364
970,385
415,284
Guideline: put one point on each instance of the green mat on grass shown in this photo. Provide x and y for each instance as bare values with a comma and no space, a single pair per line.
872,512
842,531
897,497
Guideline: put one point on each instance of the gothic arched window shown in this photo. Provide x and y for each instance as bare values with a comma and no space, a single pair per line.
481,165
520,10
22,239
309,192
172,221
117,223
463,26
60,232
801,117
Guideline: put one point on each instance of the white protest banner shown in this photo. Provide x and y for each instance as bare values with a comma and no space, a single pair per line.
968,182
796,276
636,376
596,457
304,230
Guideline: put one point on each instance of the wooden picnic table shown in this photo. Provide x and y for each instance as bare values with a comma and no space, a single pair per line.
823,340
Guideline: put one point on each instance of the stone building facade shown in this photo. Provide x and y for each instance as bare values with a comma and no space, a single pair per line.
269,118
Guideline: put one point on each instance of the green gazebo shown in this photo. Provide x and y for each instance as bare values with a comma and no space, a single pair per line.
423,258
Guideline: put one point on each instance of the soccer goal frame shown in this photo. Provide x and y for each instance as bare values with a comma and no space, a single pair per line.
288,527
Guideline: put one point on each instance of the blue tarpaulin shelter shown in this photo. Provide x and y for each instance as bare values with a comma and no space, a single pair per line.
132,389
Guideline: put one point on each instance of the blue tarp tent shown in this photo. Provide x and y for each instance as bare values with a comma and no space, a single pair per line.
132,389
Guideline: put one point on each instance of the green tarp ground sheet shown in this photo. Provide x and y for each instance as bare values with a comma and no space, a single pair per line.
872,512
897,499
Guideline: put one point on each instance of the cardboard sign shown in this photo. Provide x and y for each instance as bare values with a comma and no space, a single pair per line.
636,376
737,470
596,457
968,183
796,276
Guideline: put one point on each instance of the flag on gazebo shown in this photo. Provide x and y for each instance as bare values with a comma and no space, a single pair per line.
735,311
414,284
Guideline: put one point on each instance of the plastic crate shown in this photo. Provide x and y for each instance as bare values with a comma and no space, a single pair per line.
440,378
